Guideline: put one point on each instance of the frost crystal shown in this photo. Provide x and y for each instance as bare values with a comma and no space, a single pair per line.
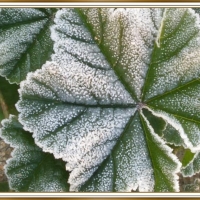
30,169
76,121
176,60
126,34
24,41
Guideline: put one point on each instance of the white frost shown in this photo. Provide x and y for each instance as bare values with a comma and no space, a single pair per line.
67,117
22,168
173,121
169,170
178,59
19,27
133,168
78,104
127,34
192,167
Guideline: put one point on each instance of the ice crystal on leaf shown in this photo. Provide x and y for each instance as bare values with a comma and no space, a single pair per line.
25,42
112,69
30,169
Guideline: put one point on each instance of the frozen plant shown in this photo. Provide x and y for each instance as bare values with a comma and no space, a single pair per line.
113,101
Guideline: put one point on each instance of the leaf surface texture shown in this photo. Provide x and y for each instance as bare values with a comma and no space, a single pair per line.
111,70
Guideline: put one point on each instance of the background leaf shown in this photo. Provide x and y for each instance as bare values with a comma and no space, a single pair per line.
10,97
192,167
188,156
25,42
30,169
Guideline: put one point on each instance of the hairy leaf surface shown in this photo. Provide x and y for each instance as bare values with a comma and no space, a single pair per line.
25,43
92,105
30,169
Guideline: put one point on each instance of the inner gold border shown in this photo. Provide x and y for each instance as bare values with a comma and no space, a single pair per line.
102,1
92,198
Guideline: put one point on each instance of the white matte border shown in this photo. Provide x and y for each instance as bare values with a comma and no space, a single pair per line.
86,194
101,195
100,4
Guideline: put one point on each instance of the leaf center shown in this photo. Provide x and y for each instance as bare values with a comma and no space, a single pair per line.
140,105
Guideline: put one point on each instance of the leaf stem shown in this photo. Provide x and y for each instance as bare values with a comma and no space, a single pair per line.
4,106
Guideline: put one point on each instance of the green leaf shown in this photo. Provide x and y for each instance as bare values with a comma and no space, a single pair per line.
117,173
113,73
163,129
161,156
188,156
30,169
171,136
192,167
25,42
157,123
172,84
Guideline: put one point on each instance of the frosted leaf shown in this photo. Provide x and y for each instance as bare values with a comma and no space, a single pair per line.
180,107
30,169
176,61
132,166
125,37
87,106
25,42
164,129
172,136
166,164
76,120
129,165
